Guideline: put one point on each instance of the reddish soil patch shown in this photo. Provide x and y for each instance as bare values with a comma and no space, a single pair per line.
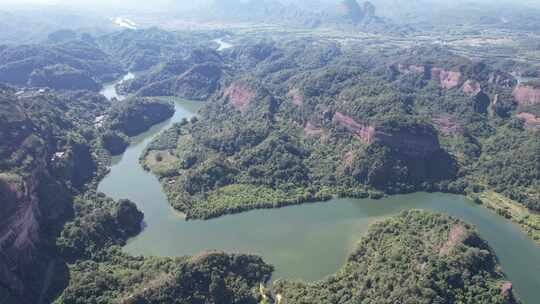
471,88
448,79
506,288
296,97
361,132
456,235
311,130
527,95
240,96
530,120
446,126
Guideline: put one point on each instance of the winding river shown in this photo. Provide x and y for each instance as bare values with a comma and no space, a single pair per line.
305,242
222,45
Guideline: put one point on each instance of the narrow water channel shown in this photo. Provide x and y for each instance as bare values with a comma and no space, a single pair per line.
305,242
222,45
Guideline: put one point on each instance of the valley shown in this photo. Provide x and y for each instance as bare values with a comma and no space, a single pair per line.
271,152
294,239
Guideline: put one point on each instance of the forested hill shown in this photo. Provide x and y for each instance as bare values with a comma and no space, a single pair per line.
305,119
415,257
53,150
284,121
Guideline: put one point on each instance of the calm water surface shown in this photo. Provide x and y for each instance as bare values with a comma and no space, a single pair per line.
305,242
109,89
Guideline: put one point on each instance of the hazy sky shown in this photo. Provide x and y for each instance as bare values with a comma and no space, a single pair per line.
141,4
187,4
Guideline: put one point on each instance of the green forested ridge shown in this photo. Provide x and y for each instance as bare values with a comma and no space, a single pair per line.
133,116
416,257
98,223
69,65
335,121
286,122
209,278
62,77
142,49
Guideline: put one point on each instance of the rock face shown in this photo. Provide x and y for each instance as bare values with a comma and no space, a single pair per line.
448,79
527,95
362,132
410,146
411,69
23,261
19,232
311,130
531,121
296,97
240,96
471,88
457,235
248,95
410,143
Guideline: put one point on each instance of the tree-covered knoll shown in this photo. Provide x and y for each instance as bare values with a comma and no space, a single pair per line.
69,65
133,116
98,223
140,50
195,75
212,277
416,257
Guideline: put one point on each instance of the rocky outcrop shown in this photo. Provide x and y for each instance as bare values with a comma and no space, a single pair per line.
527,94
311,130
457,235
447,79
360,131
471,88
507,289
530,120
248,95
296,97
410,143
22,261
411,68
240,96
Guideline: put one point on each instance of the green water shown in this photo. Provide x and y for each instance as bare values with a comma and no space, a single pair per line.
305,242
109,89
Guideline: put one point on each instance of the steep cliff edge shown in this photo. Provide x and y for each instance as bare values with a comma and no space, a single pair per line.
24,171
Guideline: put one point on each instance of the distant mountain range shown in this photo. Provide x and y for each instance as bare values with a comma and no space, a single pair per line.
301,13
